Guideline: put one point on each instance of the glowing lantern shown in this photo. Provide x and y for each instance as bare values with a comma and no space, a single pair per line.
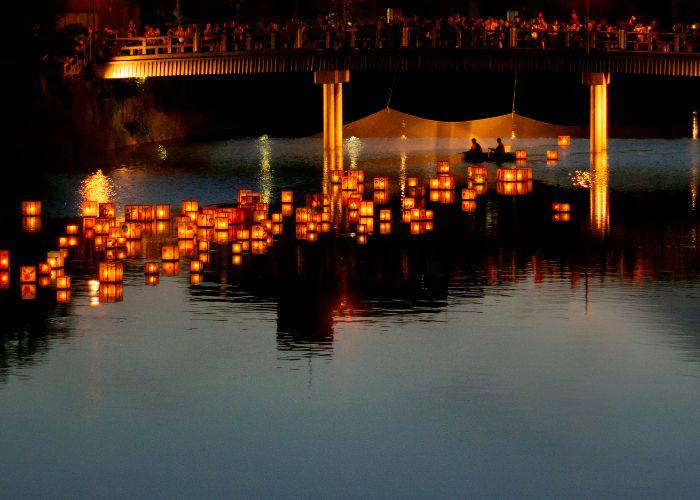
443,167
4,260
237,260
28,292
380,197
72,229
27,274
468,205
196,266
44,281
561,207
361,239
366,209
72,241
190,206
44,268
552,155
162,212
312,237
236,248
385,215
152,279
409,203
287,209
195,279
54,259
367,223
62,295
63,282
132,230
91,209
336,176
514,188
287,196
187,230
93,287
170,253
277,218
110,272
171,268
561,217
563,140
302,215
412,182
4,280
107,210
380,183
152,267
203,258
31,208
349,183
102,226
203,246
519,174
521,154
186,247
468,194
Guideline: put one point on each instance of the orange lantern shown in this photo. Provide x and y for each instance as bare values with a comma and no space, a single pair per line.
31,224
190,206
561,217
521,154
361,239
72,229
162,212
561,207
62,295
287,196
380,183
171,268
111,292
195,279
468,205
385,227
28,291
187,230
132,230
152,267
196,266
170,253
385,215
111,272
443,167
563,140
27,274
54,259
237,260
553,155
107,210
4,280
412,182
468,194
91,209
366,209
4,260
203,246
152,279
31,208
63,282
408,203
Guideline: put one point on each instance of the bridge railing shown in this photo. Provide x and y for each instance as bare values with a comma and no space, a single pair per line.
403,37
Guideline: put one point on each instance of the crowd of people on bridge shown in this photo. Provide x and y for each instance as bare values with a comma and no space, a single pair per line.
451,31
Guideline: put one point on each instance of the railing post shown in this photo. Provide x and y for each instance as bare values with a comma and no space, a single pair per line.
622,40
170,45
248,41
587,40
351,39
273,40
143,46
378,38
195,42
677,42
299,40
484,37
222,43
328,40
567,39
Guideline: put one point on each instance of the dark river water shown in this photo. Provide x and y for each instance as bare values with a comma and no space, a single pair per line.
502,354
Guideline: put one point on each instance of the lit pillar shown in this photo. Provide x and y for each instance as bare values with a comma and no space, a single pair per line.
598,82
325,119
330,115
338,130
332,82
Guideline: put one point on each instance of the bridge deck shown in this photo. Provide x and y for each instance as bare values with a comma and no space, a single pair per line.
403,60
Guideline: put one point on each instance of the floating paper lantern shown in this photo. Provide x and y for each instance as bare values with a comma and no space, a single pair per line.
348,183
385,215
236,248
62,295
63,282
44,268
102,226
190,206
72,241
152,267
361,239
133,230
54,259
203,258
110,272
561,217
287,209
107,210
186,247
28,291
408,203
442,196
380,183
380,197
152,279
44,281
412,182
203,246
442,167
287,197
385,227
468,194
4,280
27,274
257,232
196,266
336,176
187,230
4,260
366,209
563,140
237,260
519,174
442,181
558,206
552,155
91,209
170,253
31,208
162,212
170,268
72,229
521,154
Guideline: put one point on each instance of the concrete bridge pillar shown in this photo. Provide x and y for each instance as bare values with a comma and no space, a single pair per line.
598,82
332,82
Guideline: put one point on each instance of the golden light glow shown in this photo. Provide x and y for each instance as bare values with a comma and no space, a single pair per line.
265,178
31,208
353,146
97,188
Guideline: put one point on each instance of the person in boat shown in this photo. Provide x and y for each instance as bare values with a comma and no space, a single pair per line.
500,149
476,148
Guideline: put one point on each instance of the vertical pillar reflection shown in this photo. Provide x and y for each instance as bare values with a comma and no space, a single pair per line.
599,194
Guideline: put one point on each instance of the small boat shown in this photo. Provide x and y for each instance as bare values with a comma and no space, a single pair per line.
473,157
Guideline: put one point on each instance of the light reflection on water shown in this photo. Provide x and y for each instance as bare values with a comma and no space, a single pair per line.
503,355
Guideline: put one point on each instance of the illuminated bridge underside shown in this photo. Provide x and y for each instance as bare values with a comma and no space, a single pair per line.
247,63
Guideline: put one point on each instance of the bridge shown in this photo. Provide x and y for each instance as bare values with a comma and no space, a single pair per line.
595,55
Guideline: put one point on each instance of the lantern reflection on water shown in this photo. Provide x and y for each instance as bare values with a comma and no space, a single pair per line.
521,154
561,217
186,247
195,279
27,274
111,292
31,208
170,268
110,272
561,207
237,260
62,295
468,205
31,224
4,280
28,291
152,279
152,267
514,188
385,227
468,194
